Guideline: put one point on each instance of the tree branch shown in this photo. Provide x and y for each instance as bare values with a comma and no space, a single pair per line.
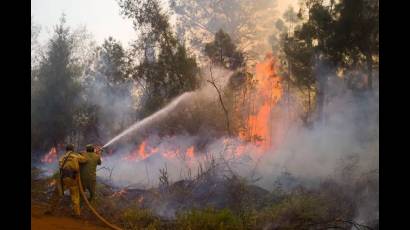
212,82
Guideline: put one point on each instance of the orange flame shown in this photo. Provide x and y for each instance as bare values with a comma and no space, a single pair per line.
190,152
269,91
141,150
51,156
258,125
120,193
154,150
144,150
171,153
138,154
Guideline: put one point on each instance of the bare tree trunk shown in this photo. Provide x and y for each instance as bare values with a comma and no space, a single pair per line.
369,71
309,101
288,91
271,116
252,101
320,99
249,112
290,72
220,53
321,77
212,82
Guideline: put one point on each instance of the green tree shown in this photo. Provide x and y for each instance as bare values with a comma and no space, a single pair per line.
57,91
35,53
35,31
333,37
248,22
300,62
114,61
107,89
223,52
310,51
276,38
164,66
357,32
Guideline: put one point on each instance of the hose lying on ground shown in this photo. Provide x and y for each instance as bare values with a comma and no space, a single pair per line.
91,207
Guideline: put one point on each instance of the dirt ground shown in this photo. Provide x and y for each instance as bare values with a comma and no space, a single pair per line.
39,221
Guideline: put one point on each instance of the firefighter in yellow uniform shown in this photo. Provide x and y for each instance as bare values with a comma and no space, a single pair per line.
69,171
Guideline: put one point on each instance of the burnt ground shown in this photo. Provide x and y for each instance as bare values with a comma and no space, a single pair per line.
184,195
39,221
166,201
164,206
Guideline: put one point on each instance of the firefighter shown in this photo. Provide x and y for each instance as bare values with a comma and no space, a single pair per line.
69,165
88,171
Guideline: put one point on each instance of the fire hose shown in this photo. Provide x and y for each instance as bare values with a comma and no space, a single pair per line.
91,207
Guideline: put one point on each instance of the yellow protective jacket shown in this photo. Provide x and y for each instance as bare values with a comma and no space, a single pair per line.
73,161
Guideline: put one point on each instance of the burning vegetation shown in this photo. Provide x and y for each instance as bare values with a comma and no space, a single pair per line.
286,142
268,93
50,157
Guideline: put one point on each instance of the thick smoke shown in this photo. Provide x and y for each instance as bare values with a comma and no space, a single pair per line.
147,171
341,147
114,104
219,77
349,130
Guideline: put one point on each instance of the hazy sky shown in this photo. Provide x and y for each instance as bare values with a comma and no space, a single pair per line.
101,17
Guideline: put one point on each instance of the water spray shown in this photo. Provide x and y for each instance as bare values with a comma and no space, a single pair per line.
149,119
